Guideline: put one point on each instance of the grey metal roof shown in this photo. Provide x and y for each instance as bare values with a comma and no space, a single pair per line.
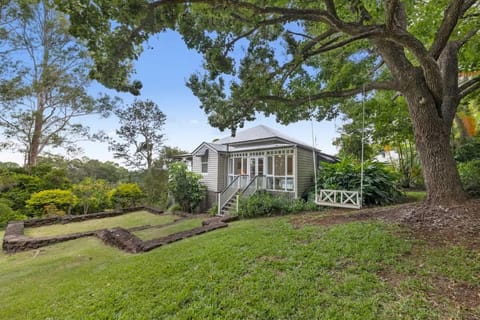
260,147
258,133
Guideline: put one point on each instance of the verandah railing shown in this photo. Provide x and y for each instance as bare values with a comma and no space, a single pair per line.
237,184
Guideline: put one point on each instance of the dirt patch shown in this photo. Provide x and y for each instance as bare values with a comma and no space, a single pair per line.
458,224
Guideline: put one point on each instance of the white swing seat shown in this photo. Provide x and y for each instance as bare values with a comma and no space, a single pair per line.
338,198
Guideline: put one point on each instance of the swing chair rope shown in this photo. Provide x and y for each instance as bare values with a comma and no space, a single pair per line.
363,143
330,195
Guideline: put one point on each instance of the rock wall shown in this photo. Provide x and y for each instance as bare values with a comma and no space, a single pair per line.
16,241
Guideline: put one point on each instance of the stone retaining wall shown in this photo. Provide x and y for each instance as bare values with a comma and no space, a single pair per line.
15,240
38,222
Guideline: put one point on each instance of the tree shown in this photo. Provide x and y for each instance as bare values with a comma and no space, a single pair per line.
388,130
304,59
43,81
141,126
92,195
170,155
185,186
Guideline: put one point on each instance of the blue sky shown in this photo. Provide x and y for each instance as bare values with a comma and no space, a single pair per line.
163,71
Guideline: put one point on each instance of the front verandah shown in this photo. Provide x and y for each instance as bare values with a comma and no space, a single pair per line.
272,170
277,166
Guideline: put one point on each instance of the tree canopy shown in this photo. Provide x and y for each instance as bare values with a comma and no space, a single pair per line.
43,81
298,60
140,134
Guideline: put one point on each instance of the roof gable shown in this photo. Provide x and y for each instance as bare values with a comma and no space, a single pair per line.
260,132
247,140
201,149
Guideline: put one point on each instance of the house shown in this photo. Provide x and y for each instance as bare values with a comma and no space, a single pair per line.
261,157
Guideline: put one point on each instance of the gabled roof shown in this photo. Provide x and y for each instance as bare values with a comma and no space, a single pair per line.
200,150
260,132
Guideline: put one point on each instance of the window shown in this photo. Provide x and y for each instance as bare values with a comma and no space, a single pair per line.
260,167
290,165
238,166
204,160
230,166
280,171
269,165
279,165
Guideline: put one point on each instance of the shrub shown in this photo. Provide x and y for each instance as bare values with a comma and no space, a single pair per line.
126,195
92,195
174,208
263,203
185,186
470,176
18,188
7,214
379,182
468,151
53,201
213,211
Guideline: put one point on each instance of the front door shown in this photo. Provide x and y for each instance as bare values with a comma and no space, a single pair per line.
256,167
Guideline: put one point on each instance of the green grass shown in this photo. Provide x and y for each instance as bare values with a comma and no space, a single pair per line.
416,195
183,225
254,269
128,220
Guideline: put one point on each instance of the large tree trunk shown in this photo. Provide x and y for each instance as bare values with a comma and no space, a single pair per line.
432,100
432,139
34,149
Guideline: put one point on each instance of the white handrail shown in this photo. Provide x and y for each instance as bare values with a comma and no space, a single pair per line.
238,183
227,194
257,183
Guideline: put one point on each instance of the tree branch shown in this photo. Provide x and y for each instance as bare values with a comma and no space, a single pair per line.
332,45
331,8
450,19
467,5
467,37
385,85
391,8
469,86
429,65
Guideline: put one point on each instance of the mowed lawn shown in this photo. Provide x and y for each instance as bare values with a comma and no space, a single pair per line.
129,220
254,269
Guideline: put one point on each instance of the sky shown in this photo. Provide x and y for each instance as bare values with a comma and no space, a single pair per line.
164,70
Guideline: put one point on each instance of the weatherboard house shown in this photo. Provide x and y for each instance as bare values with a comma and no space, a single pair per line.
255,158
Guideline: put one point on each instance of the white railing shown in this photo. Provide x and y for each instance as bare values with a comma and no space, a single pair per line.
238,183
257,183
339,198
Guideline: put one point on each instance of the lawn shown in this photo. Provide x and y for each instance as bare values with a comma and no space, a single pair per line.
183,225
254,269
128,220
416,195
